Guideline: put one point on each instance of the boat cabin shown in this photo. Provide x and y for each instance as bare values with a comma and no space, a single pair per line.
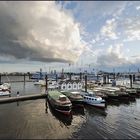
62,98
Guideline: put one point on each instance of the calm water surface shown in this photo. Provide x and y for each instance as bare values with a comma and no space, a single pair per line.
36,119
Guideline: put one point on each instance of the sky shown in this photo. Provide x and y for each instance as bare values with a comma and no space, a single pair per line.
69,35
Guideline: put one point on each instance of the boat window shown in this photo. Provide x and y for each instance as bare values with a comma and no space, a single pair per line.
95,99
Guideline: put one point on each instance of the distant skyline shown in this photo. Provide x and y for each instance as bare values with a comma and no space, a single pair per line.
100,35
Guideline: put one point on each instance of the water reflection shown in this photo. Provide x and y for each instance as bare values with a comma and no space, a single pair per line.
65,119
120,102
92,111
78,110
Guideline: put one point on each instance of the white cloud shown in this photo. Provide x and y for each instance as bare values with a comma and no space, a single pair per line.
108,30
38,31
112,57
131,27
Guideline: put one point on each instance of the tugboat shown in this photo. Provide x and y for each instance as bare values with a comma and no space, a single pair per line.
59,102
74,96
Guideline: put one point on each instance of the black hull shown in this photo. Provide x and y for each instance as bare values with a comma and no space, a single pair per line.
124,97
134,95
113,97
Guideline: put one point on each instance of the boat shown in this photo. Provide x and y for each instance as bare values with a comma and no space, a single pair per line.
98,92
137,88
74,96
59,102
131,91
5,89
110,93
91,99
122,94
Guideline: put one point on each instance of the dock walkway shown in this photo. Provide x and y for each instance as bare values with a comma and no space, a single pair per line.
22,98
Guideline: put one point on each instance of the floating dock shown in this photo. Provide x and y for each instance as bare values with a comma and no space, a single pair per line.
22,98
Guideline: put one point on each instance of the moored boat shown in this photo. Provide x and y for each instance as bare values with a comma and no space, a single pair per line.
74,96
110,93
121,93
98,92
60,102
5,89
91,99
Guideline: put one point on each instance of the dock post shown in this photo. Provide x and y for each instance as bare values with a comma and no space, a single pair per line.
130,76
114,76
85,83
56,77
133,78
0,79
29,75
108,78
70,76
80,76
46,78
24,78
104,79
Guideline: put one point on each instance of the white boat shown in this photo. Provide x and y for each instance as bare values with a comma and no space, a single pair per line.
91,99
5,89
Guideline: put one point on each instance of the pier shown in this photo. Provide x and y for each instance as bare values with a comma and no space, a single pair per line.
22,98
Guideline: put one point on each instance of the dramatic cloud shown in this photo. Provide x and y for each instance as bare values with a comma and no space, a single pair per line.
38,31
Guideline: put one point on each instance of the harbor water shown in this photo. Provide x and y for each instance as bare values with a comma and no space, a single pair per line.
36,119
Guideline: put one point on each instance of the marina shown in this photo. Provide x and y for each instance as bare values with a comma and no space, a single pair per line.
69,70
67,126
